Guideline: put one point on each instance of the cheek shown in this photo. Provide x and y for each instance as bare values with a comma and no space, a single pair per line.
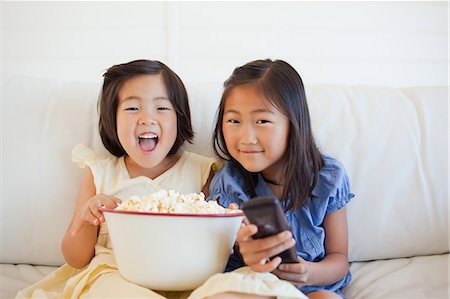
125,130
283,144
120,128
172,127
228,136
280,143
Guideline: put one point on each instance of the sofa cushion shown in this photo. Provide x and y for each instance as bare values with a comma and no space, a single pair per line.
42,121
393,143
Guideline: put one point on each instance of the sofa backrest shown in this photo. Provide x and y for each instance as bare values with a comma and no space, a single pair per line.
392,141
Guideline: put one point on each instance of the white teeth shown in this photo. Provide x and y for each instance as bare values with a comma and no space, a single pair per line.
149,135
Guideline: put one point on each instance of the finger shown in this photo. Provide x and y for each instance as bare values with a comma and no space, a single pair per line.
270,246
254,258
252,252
269,266
292,267
282,275
293,272
89,216
97,215
296,278
267,242
246,232
110,202
78,226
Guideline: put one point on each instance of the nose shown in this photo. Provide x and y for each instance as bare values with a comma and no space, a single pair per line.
248,135
146,118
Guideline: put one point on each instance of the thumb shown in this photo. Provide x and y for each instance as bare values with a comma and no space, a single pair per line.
233,206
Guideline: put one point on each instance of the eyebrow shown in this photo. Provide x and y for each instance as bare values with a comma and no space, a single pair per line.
139,98
253,111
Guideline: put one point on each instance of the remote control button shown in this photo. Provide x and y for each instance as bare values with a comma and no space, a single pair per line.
269,229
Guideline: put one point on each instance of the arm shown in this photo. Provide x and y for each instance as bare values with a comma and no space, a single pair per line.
334,265
80,238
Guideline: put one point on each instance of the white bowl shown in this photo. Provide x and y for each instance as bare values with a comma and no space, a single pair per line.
171,252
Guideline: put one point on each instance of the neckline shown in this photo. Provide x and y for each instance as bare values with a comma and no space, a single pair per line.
126,174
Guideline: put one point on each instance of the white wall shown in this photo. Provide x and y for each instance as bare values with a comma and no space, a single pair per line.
375,43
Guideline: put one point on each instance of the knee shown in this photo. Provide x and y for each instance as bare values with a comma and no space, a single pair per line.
323,294
233,295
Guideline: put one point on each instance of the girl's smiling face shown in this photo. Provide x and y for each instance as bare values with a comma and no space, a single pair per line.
255,132
146,121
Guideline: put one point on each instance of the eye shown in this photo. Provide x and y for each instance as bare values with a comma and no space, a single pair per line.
232,121
163,108
262,121
131,109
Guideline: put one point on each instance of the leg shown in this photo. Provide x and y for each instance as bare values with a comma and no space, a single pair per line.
233,295
247,284
113,285
323,295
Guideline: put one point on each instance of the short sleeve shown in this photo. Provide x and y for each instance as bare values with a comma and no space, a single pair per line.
83,156
340,194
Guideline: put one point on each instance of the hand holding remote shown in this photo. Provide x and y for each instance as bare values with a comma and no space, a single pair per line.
267,215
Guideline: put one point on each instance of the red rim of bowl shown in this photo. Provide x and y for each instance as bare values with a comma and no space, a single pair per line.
171,214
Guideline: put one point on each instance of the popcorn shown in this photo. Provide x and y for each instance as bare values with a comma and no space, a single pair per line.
172,202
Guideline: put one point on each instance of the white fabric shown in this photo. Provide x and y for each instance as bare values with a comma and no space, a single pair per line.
39,181
403,278
16,277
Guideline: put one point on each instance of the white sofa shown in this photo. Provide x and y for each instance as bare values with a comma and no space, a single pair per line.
393,142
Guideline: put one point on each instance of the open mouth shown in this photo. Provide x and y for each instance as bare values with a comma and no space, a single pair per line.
148,141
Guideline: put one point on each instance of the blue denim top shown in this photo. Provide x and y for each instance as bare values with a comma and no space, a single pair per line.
331,193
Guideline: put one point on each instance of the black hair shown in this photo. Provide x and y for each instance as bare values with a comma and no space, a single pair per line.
116,76
281,84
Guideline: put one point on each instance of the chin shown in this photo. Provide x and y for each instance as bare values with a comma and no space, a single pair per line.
147,160
251,167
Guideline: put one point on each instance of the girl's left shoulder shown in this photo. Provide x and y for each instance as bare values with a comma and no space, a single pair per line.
333,185
333,169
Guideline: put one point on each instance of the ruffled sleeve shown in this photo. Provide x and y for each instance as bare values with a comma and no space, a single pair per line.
108,171
335,182
83,156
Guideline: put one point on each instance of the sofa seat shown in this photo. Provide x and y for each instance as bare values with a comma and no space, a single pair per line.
400,278
383,279
16,277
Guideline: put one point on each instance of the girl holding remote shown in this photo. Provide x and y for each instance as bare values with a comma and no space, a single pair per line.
263,130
